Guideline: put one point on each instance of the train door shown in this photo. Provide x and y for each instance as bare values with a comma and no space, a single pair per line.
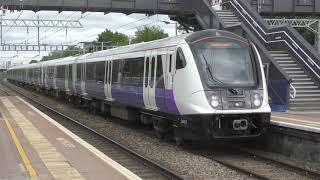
83,78
149,80
46,76
108,79
74,76
170,68
55,76
66,77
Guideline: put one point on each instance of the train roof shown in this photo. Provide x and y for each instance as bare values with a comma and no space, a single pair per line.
166,42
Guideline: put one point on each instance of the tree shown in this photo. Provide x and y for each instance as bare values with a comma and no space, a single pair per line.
149,33
70,51
33,61
307,34
113,38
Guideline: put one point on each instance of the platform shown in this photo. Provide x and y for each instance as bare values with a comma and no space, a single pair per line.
34,146
306,121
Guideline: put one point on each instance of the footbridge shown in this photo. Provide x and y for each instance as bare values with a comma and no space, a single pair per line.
291,63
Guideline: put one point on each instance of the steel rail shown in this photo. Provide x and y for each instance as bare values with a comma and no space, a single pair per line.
154,164
235,167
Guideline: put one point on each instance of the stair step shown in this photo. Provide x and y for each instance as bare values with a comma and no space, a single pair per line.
288,65
306,87
305,103
307,95
224,11
280,55
229,17
292,68
301,80
312,108
308,91
289,62
295,72
303,83
310,99
298,75
282,58
278,52
230,20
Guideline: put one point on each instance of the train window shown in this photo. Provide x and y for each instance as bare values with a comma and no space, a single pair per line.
153,60
159,74
70,72
60,72
180,61
78,72
107,73
170,63
133,71
147,72
116,73
91,71
110,71
100,68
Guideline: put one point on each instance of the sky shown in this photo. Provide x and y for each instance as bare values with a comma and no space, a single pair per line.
93,24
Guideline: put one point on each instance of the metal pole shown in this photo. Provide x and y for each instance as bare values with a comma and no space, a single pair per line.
176,26
39,35
1,28
318,37
66,36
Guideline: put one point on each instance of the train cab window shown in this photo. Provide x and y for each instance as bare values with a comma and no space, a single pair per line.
159,73
78,72
180,60
100,71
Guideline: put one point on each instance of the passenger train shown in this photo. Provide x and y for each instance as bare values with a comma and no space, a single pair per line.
200,86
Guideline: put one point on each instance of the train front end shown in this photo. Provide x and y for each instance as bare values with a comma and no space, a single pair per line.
234,97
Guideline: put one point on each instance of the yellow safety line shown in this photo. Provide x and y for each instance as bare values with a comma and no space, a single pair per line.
26,161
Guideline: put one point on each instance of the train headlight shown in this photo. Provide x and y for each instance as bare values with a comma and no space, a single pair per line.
257,100
214,101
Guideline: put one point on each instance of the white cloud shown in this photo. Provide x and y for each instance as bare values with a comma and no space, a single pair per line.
93,24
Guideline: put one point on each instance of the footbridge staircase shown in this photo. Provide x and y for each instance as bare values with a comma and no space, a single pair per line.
291,63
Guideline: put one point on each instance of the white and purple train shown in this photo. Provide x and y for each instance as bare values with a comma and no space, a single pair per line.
204,85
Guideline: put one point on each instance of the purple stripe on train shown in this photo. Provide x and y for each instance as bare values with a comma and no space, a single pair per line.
170,102
133,95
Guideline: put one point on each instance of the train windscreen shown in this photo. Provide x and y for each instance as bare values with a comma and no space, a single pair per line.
226,62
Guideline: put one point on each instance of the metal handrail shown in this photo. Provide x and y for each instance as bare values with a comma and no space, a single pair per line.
293,45
293,96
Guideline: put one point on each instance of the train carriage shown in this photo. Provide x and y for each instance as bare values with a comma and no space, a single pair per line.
207,84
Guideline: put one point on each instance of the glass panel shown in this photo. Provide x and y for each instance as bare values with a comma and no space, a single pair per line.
226,62
160,75
100,68
181,61
147,73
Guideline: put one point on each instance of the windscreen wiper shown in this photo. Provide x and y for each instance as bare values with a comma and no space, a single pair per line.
208,68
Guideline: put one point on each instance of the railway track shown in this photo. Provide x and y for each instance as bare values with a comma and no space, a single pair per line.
246,163
138,164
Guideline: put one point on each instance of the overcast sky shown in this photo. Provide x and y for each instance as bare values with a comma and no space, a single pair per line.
93,24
